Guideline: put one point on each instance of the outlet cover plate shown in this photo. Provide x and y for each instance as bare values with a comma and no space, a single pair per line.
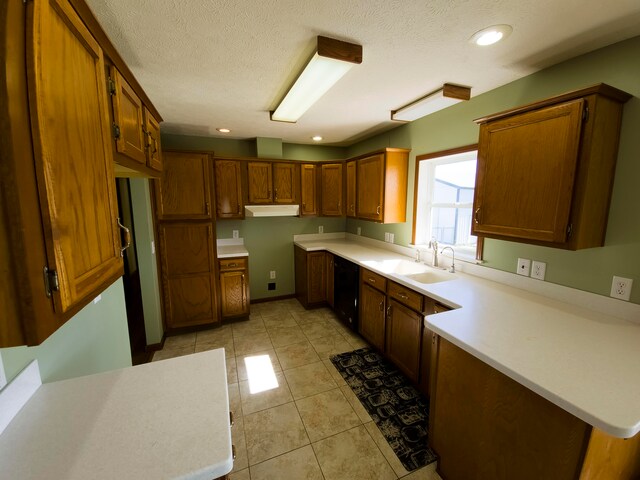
523,266
272,274
538,269
236,233
320,229
621,288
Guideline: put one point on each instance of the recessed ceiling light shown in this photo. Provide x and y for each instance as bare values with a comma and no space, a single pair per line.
223,130
316,138
491,35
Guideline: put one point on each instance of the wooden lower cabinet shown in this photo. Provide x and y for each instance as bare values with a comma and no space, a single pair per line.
485,425
372,319
234,287
187,260
330,279
404,338
310,272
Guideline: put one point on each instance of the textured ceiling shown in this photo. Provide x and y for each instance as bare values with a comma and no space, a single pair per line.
221,63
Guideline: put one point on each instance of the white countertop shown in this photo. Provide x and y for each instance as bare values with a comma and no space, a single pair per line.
586,362
161,420
230,251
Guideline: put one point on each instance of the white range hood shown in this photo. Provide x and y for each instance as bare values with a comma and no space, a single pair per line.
271,210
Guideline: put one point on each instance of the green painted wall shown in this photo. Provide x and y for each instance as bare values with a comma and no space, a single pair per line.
149,283
94,340
590,269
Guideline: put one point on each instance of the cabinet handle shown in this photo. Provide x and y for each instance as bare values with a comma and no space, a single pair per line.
207,208
352,208
433,339
389,311
127,237
275,193
476,215
382,306
339,203
372,280
231,422
231,265
233,451
378,210
402,295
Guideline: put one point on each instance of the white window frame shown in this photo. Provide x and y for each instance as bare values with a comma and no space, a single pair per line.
425,177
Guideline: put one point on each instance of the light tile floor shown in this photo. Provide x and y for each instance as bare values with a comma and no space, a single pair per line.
311,426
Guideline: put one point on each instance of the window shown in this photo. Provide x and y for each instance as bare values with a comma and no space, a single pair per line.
444,199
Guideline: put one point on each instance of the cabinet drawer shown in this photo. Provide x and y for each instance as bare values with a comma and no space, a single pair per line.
373,279
228,264
406,296
439,308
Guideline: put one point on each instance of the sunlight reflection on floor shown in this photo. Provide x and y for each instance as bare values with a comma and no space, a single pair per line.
260,373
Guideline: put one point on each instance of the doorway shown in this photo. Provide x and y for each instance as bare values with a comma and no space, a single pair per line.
131,278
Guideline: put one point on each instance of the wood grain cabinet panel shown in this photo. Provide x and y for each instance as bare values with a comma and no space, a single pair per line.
285,182
189,301
330,278
381,185
308,190
545,171
184,190
234,287
127,116
351,169
228,189
372,319
260,179
331,181
153,147
311,277
72,147
404,338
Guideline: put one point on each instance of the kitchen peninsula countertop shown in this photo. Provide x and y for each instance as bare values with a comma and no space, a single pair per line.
166,419
586,362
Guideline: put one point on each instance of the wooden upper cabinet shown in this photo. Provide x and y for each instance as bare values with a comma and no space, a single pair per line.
153,147
545,171
73,154
184,189
351,188
381,186
260,181
228,189
127,118
308,190
331,181
285,181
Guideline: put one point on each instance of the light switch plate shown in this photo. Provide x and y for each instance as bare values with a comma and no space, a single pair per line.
523,266
538,269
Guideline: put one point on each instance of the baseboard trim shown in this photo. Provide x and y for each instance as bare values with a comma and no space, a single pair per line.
272,299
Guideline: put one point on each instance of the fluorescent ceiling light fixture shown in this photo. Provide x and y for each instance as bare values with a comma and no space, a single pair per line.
333,58
316,138
223,130
260,373
444,97
491,35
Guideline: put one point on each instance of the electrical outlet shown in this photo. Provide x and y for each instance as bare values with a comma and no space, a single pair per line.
391,237
538,269
236,234
386,236
320,229
523,266
359,230
621,288
272,274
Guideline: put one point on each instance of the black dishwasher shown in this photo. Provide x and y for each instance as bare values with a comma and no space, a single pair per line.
346,280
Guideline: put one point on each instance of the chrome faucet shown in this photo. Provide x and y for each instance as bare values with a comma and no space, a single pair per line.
417,260
453,262
433,243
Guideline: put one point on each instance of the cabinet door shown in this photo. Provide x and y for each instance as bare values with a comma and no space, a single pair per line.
351,189
188,273
403,337
332,189
154,151
233,288
184,190
370,178
316,277
309,192
285,183
127,115
73,152
372,316
330,275
228,189
260,181
526,169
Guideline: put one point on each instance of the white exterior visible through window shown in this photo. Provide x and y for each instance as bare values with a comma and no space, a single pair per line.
444,207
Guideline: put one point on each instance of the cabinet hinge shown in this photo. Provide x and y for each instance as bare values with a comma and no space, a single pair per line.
111,85
51,283
569,230
585,113
116,131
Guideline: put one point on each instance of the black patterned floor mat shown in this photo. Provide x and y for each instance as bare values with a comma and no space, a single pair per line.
399,410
